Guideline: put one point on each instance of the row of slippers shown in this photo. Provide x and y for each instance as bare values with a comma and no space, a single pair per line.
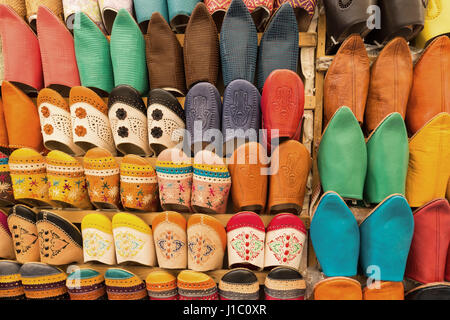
32,280
198,244
391,84
92,60
202,184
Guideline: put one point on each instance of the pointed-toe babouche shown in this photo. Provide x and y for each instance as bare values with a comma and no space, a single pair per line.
21,118
430,92
284,283
282,106
338,288
56,122
43,282
102,177
166,120
128,53
386,235
347,80
239,284
6,186
133,240
98,239
59,62
90,123
10,285
201,48
291,164
6,238
92,50
29,178
203,108
174,170
211,183
387,159
32,6
248,170
128,119
88,7
22,223
261,11
427,259
304,11
245,237
279,45
122,284
436,22
138,184
86,284
21,54
387,290
430,291
161,285
207,241
390,83
342,156
238,44
180,12
335,236
67,183
194,285
169,233
145,10
429,168
218,10
109,10
285,240
164,57
60,241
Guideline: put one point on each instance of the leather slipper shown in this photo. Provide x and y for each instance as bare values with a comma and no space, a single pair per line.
98,239
239,284
86,284
10,285
161,285
284,283
43,282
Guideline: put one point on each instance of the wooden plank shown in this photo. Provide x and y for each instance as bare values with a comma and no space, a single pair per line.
305,39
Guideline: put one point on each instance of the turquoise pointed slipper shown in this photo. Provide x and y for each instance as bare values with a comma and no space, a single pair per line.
342,156
93,56
128,53
387,159
145,8
335,236
180,12
386,235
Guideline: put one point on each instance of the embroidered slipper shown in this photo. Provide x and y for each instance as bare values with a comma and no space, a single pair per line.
6,240
387,290
88,7
22,118
6,186
128,119
194,285
29,178
211,183
128,53
174,170
138,184
218,10
102,176
67,183
338,288
284,283
180,12
133,240
56,43
169,229
43,282
124,285
201,37
164,56
98,239
304,11
261,11
10,285
86,284
207,241
288,184
436,23
92,50
90,123
248,170
246,234
239,284
166,121
21,53
280,37
109,10
145,11
285,240
161,285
